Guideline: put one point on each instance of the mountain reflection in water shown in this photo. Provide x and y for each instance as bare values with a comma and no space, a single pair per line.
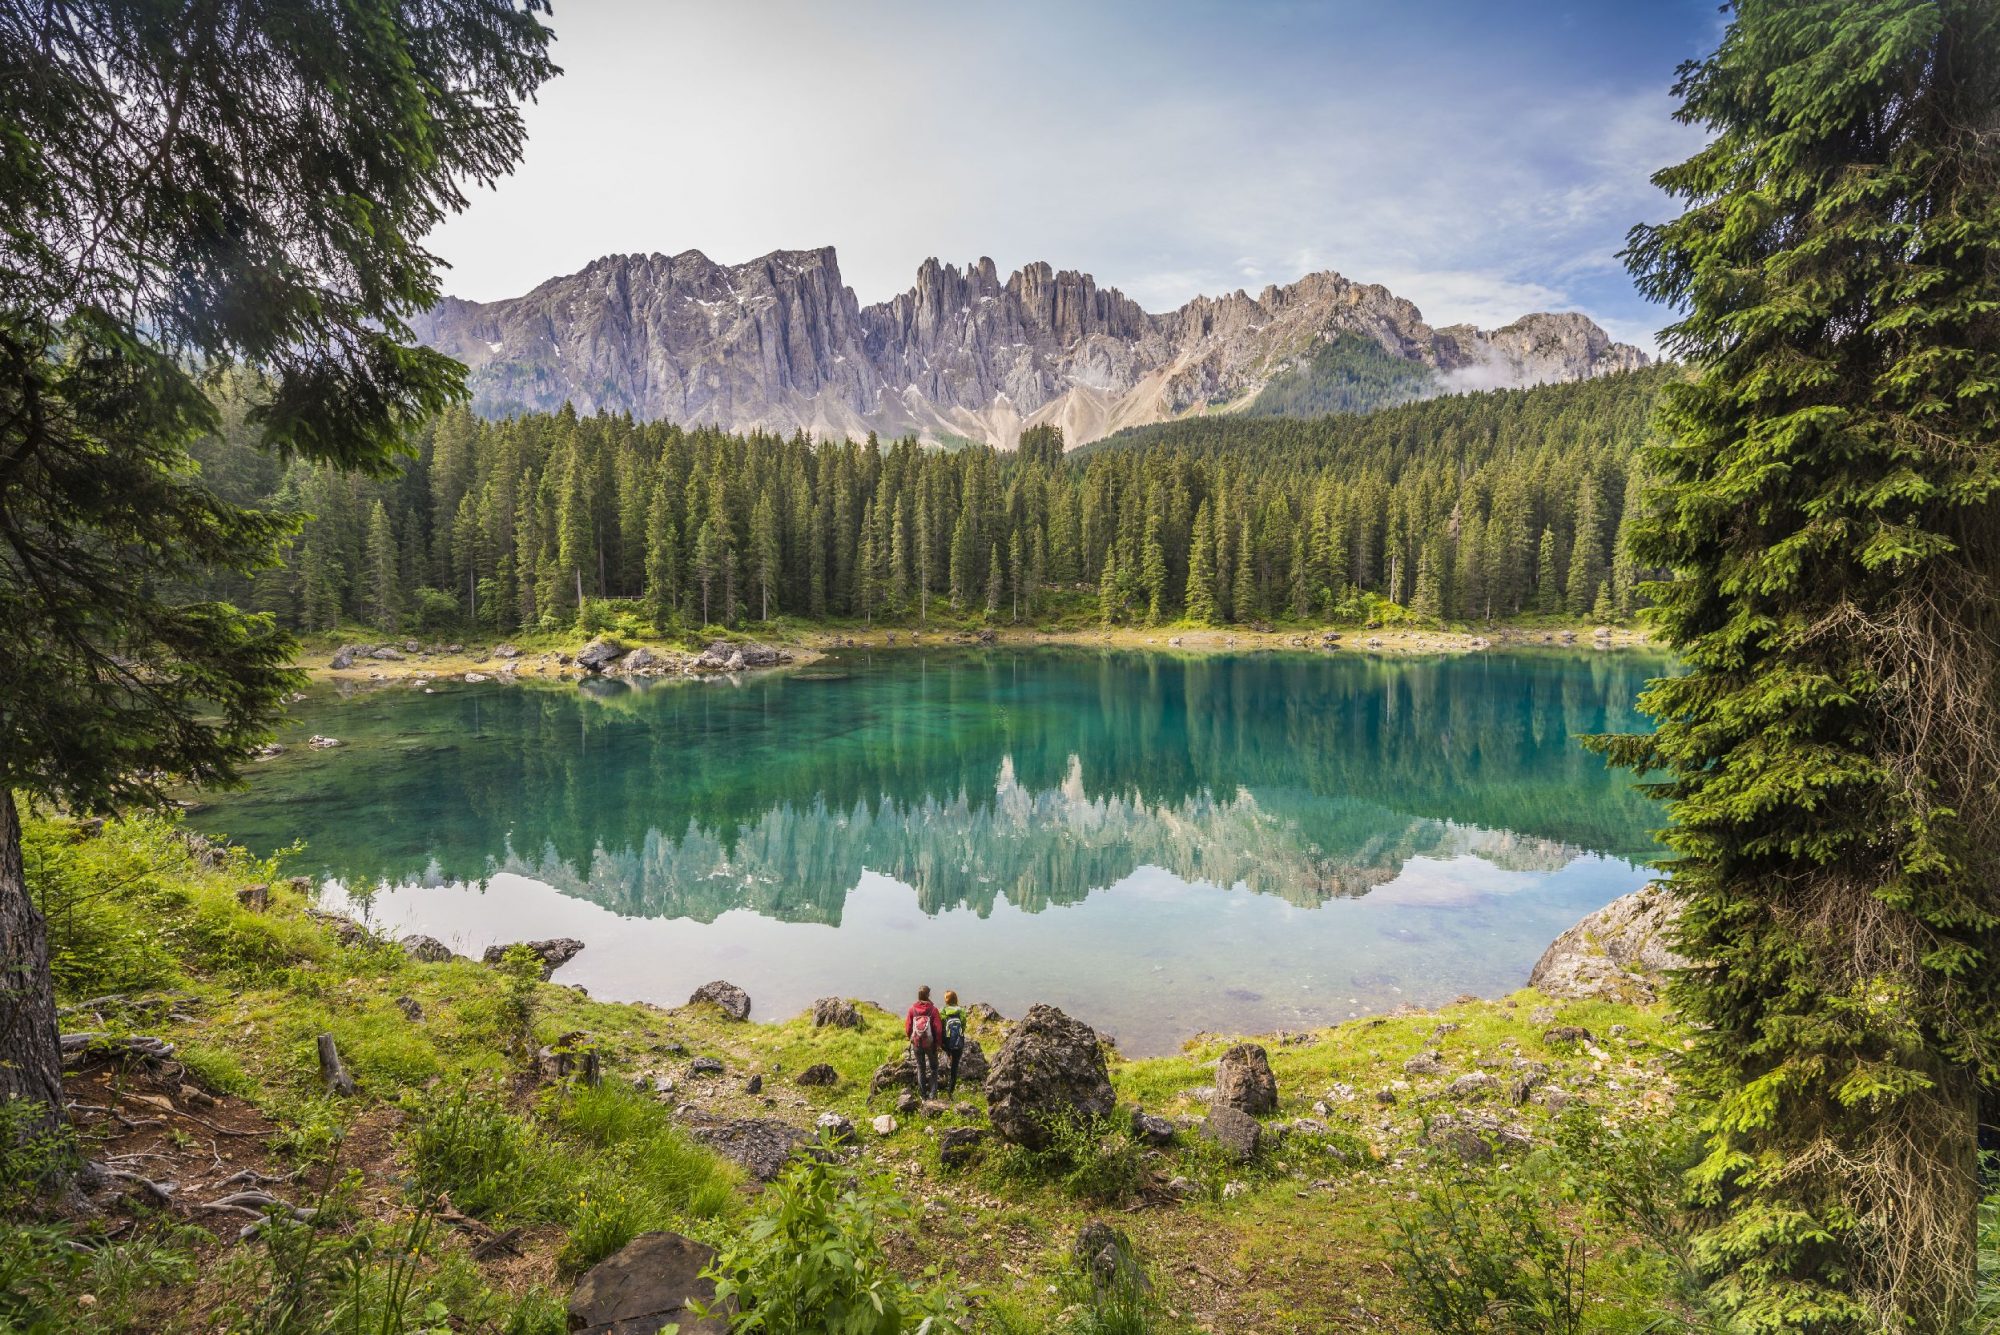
980,781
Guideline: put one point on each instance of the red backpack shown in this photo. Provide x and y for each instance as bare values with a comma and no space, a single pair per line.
923,1031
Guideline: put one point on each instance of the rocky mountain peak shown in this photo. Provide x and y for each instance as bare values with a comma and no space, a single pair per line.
780,343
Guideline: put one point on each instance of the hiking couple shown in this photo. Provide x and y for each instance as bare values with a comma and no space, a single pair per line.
932,1031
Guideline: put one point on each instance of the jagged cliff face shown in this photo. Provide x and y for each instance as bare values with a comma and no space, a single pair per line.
780,344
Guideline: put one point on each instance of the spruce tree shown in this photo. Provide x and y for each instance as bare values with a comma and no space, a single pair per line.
1548,585
1826,498
1201,568
384,601
1153,573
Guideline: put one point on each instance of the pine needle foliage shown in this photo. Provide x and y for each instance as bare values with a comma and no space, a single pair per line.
1825,493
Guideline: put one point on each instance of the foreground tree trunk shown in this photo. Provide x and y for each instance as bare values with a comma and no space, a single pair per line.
30,1052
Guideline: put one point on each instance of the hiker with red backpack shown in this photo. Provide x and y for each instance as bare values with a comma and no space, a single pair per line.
924,1027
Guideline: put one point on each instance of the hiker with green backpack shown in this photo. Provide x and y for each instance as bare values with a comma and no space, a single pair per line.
953,1038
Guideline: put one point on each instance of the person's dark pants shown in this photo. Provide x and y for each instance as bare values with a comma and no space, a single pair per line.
927,1080
951,1071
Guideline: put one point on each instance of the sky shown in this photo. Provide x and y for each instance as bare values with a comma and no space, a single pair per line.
1483,158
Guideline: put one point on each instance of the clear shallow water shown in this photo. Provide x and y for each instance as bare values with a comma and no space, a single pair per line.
1160,845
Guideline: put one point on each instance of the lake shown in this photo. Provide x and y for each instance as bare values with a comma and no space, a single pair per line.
1159,844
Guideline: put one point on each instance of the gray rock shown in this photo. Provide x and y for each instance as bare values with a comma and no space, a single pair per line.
646,1285
973,1069
1428,1062
754,1085
1050,1067
1105,1254
1472,1136
835,1012
885,1125
733,1000
387,655
1474,1085
704,1067
957,1145
1243,1080
819,1074
427,949
1564,1034
412,1009
834,1128
505,651
762,1145
554,952
322,743
1237,1132
641,662
599,654
1622,952
344,656
1151,1128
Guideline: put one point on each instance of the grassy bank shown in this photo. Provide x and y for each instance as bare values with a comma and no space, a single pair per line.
542,653
464,1185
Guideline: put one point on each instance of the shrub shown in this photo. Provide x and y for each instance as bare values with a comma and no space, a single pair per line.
466,1142
1088,1158
811,1261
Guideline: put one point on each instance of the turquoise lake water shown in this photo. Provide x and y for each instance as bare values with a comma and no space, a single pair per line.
1160,845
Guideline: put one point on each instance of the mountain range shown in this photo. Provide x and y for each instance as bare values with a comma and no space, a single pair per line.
781,344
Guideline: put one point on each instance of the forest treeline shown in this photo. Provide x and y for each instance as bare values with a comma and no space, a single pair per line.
1470,508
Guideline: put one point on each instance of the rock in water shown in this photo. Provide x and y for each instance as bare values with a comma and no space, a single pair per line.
554,952
645,1285
733,1000
1619,953
836,1012
426,949
1237,1132
1050,1067
599,654
1243,1080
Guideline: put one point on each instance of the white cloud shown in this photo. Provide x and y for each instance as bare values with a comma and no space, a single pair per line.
1088,138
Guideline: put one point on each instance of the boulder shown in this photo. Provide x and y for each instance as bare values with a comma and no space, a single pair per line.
387,655
641,661
754,1085
703,1067
973,1069
956,1145
322,743
1105,1254
1428,1062
835,1012
646,1285
722,656
426,949
412,1009
819,1073
885,1125
1050,1067
1622,952
1235,1131
733,1000
599,654
762,1145
344,656
1564,1034
505,651
1151,1128
1243,1080
554,952
984,1013
1472,1136
1473,1085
